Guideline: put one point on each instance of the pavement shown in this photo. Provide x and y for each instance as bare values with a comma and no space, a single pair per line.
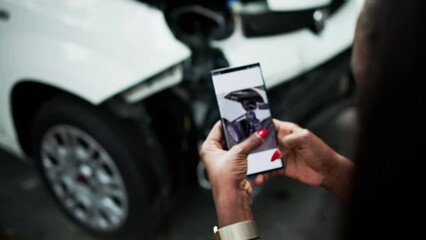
283,208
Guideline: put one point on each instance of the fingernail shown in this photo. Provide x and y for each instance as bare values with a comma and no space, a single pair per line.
253,183
276,155
262,133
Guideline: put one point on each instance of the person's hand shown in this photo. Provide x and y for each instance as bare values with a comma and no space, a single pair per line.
308,159
227,171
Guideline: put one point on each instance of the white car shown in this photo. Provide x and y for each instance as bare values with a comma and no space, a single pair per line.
110,97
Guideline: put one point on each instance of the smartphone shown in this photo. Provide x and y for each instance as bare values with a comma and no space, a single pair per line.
244,110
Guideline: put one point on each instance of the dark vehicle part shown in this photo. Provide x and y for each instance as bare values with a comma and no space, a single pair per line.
211,19
306,98
272,23
248,123
234,129
195,19
267,23
4,15
196,26
248,98
98,168
172,121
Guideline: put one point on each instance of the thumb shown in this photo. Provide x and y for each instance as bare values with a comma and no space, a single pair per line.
251,143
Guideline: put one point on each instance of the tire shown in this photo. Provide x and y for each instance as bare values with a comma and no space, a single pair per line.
97,169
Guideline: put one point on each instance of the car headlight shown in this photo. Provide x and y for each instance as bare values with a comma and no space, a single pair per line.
165,79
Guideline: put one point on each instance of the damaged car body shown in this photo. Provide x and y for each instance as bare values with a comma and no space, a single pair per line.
111,98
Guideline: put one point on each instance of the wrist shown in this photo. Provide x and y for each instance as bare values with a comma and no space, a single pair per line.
232,205
339,179
246,230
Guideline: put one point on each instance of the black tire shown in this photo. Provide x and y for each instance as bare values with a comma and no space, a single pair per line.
130,153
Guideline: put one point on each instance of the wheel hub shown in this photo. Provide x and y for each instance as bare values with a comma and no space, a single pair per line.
84,178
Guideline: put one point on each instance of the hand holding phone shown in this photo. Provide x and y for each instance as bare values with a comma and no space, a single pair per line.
244,109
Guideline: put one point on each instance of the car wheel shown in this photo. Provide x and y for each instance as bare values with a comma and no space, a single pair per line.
86,158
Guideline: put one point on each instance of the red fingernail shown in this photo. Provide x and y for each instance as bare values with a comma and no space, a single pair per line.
262,133
276,155
253,183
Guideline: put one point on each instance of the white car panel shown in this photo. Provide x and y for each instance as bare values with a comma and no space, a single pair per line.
291,5
93,46
337,36
81,48
285,56
279,56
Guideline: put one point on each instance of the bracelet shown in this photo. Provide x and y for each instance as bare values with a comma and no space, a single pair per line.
238,231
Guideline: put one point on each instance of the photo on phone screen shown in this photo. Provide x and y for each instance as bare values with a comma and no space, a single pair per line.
244,110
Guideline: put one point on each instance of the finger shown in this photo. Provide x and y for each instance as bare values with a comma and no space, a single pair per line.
251,143
261,178
296,139
246,186
285,128
215,133
268,175
258,180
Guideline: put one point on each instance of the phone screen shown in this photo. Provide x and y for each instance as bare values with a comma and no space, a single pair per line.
244,109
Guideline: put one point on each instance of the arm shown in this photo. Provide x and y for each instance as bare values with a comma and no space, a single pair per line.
227,172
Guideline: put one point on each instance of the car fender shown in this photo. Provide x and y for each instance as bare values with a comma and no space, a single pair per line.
78,47
91,49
